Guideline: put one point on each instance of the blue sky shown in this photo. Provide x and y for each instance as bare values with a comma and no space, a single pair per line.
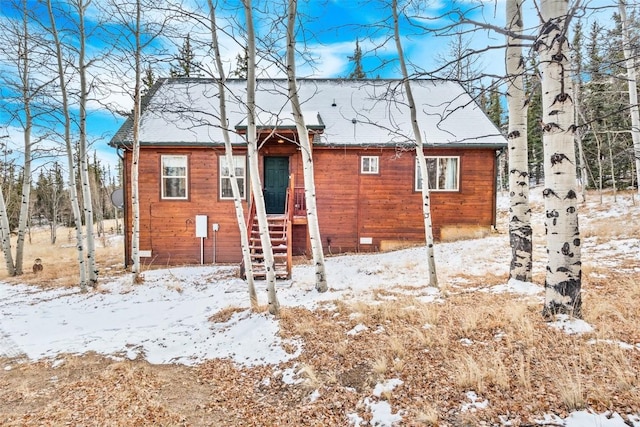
331,30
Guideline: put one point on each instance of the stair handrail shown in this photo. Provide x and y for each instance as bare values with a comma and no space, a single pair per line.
251,216
289,207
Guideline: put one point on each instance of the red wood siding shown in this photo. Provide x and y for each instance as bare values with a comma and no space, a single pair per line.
383,207
167,227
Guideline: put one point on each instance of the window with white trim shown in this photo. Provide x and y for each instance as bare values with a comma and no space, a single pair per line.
240,169
174,177
443,173
369,165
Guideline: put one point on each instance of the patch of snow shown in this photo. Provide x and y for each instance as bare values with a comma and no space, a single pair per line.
474,402
634,420
386,386
518,287
621,344
290,376
381,414
57,363
355,419
466,341
571,325
315,395
151,320
357,329
589,419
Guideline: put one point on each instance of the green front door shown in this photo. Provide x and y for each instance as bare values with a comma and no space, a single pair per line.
276,180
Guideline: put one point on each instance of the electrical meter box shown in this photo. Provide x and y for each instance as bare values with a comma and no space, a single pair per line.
201,226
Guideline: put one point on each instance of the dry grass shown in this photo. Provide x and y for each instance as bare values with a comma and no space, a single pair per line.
60,260
496,345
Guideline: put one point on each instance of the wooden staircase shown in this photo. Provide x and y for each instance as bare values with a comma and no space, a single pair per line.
280,231
280,243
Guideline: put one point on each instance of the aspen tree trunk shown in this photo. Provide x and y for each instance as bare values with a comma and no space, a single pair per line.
82,152
564,271
24,199
633,89
237,202
426,197
254,170
612,168
520,231
307,154
73,192
135,155
28,120
5,232
600,167
26,193
584,179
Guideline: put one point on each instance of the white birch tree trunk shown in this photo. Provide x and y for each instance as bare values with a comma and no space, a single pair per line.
135,154
307,154
520,231
28,123
254,170
26,192
82,151
633,88
73,192
5,231
426,197
237,202
564,271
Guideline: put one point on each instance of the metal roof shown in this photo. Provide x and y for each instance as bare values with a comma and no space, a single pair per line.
368,112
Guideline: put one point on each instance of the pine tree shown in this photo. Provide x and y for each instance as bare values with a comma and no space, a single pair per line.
495,110
186,65
534,130
241,65
356,59
148,79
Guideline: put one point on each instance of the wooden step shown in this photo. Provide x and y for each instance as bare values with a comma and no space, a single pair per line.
262,274
260,256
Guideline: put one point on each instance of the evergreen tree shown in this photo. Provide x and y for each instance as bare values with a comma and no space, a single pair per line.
241,65
356,59
534,130
148,79
495,110
51,199
186,65
605,108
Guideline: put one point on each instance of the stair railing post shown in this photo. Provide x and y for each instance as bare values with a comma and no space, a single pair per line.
289,222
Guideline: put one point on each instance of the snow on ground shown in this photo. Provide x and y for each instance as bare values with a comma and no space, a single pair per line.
166,320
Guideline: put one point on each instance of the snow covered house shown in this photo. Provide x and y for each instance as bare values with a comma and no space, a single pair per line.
367,185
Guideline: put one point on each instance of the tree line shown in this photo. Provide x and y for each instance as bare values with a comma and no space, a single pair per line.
598,67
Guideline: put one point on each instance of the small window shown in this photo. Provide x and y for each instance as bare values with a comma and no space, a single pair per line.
443,173
369,165
174,177
240,169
